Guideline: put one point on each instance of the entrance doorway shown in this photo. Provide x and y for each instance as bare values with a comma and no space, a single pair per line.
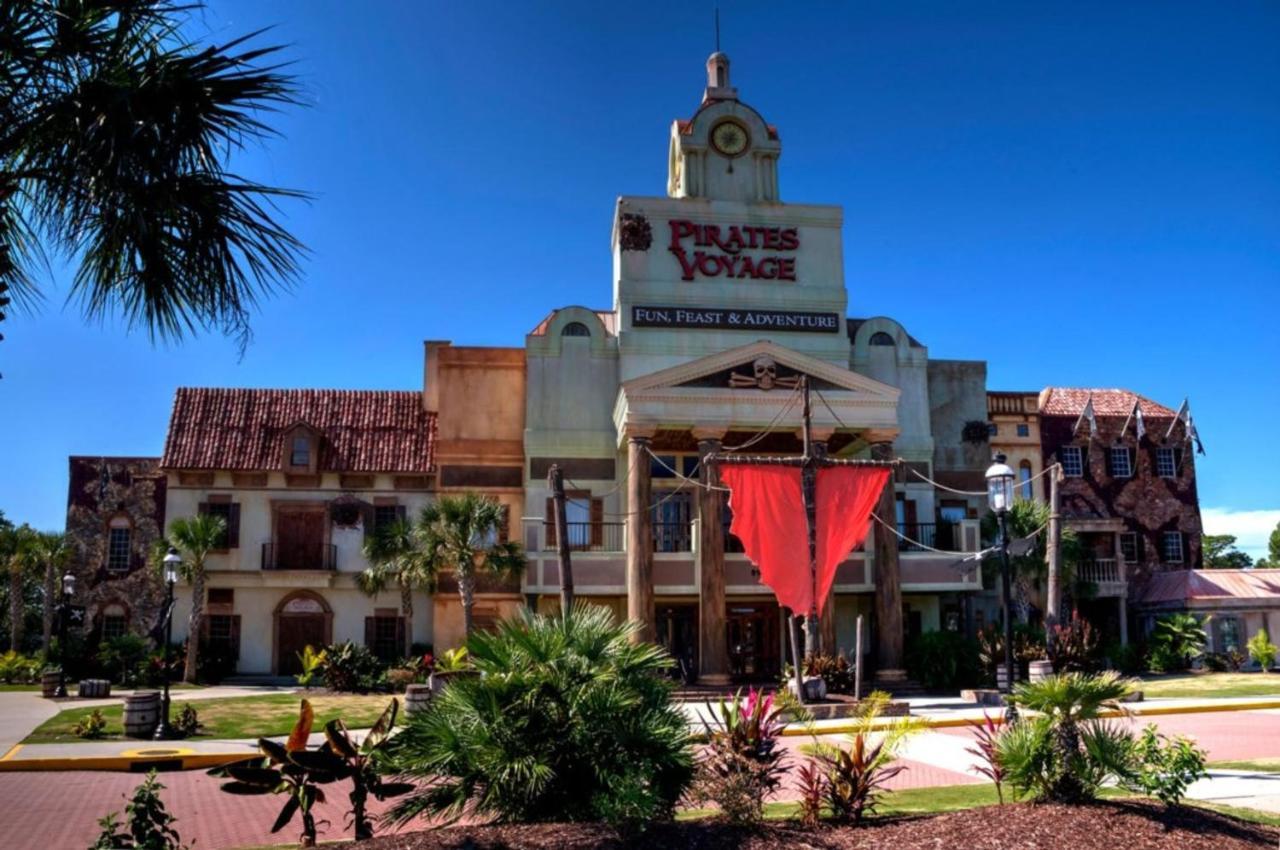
754,641
677,630
302,619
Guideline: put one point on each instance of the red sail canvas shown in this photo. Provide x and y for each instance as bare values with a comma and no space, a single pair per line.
768,517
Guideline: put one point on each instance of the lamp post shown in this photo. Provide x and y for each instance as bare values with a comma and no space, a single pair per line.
172,560
1000,497
64,614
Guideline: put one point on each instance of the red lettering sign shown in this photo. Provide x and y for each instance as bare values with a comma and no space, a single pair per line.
729,242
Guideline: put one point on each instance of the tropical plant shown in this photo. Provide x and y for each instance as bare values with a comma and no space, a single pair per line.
987,736
856,775
1049,754
148,825
93,725
742,763
116,131
943,661
1176,641
187,722
18,552
1028,645
121,656
812,779
1262,650
359,763
18,669
1165,767
835,671
1129,658
312,661
1073,647
350,667
452,661
1030,565
195,537
570,719
52,552
463,535
284,769
396,560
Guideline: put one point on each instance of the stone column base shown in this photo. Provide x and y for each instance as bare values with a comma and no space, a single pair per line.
891,675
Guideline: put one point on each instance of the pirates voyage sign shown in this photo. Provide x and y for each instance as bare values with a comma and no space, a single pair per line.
735,320
713,251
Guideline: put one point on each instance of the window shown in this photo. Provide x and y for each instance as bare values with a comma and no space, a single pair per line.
992,429
1228,629
119,544
1129,547
1024,430
387,639
881,338
1171,547
1024,475
300,455
230,513
115,621
385,515
1167,462
1120,464
575,329
1072,461
223,634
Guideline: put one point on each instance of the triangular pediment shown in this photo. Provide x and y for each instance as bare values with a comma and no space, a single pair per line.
760,367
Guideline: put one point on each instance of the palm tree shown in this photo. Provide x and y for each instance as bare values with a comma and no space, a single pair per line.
395,559
116,132
17,549
1030,568
53,553
195,537
462,534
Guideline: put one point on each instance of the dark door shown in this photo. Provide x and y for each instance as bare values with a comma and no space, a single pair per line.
300,540
297,631
753,641
677,628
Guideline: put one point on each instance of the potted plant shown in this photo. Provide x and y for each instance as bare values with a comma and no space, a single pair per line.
449,665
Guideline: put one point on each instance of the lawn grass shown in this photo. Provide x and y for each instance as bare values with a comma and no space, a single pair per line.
1264,765
8,688
268,715
1211,685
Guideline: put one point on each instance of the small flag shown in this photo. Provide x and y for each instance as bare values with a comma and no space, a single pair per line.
1087,413
1142,428
1193,434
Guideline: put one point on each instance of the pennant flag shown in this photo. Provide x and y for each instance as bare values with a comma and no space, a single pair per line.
1193,434
768,517
1087,413
1142,428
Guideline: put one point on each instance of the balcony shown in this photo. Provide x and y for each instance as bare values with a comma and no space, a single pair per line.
934,535
299,556
1106,574
589,536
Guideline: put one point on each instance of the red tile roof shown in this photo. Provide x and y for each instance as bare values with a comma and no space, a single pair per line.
362,430
1070,401
1211,586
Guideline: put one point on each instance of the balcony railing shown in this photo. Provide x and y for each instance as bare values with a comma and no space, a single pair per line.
672,537
299,556
590,536
1101,571
935,535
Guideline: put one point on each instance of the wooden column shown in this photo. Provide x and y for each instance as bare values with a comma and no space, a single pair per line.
639,539
827,620
888,580
713,635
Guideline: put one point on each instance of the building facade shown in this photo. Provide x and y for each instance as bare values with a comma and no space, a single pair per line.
1015,433
723,297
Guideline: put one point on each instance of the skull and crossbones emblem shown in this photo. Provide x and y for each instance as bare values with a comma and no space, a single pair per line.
764,376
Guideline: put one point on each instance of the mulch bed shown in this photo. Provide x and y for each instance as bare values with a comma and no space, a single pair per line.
1099,826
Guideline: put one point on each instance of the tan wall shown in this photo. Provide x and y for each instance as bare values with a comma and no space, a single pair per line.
447,627
479,396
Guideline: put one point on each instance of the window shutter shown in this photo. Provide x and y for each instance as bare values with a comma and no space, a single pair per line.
1177,461
504,524
233,526
369,632
1133,462
400,632
597,522
235,636
551,521
367,516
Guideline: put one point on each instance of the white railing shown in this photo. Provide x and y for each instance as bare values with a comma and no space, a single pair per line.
1101,571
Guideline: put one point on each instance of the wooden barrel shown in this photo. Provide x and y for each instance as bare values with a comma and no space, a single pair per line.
49,683
416,698
1038,671
141,714
94,688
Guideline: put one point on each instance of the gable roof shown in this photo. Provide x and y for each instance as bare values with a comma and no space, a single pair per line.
1211,586
1070,401
361,430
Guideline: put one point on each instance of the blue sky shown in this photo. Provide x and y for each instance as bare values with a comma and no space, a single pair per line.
1081,194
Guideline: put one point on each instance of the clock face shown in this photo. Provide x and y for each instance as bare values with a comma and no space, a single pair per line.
729,138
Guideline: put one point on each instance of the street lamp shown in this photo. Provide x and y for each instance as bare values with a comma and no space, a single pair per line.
1000,497
172,561
64,614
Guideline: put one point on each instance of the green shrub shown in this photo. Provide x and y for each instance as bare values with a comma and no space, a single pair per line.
1216,662
148,826
120,658
1176,641
1262,650
350,667
1164,767
568,721
91,726
19,669
187,722
1028,645
1129,659
944,661
742,764
835,671
1074,647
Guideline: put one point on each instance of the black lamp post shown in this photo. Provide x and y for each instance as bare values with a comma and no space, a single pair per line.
172,560
64,614
1000,497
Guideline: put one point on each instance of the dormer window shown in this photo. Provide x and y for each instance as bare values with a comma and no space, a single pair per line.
300,454
881,338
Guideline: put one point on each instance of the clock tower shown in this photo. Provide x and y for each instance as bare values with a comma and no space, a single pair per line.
726,152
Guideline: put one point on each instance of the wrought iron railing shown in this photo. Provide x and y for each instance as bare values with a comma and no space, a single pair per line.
299,556
589,536
673,537
935,535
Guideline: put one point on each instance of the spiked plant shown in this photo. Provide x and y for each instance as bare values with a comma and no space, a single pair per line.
359,763
743,762
987,737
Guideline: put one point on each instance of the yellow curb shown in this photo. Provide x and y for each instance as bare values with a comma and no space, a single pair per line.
883,723
189,760
13,751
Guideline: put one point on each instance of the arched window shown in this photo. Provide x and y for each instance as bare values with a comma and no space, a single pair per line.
115,621
882,338
1024,476
575,329
119,543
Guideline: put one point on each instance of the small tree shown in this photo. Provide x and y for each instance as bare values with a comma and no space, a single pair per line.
18,560
1176,640
396,560
1220,553
195,537
1262,650
53,553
